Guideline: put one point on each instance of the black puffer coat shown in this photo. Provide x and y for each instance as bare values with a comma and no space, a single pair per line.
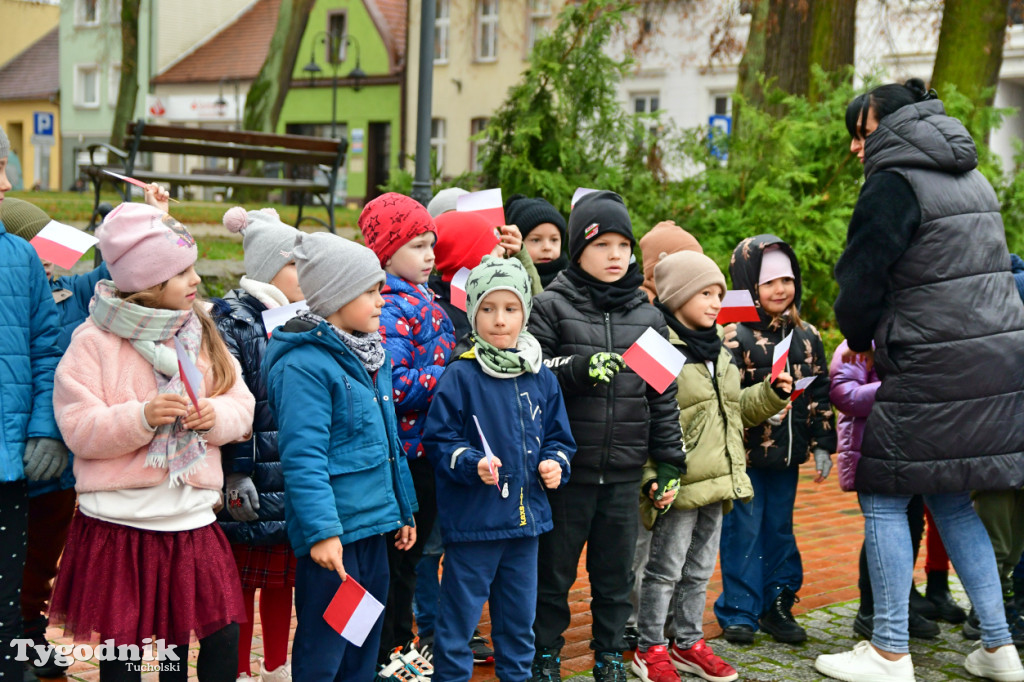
239,318
810,424
616,426
949,345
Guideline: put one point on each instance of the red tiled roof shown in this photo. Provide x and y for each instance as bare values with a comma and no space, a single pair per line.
235,52
35,73
393,13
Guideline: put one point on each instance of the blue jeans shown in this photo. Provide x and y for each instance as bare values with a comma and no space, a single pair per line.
758,550
891,564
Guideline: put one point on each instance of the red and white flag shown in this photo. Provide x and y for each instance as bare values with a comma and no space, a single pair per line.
125,178
459,288
487,203
579,194
62,244
655,360
737,306
190,375
353,611
487,453
276,317
801,385
780,356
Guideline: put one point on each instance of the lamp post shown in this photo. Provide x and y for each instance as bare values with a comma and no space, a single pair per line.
425,90
221,102
356,75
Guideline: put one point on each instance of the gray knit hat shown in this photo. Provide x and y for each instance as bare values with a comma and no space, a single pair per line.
444,201
333,271
680,276
266,240
495,274
5,145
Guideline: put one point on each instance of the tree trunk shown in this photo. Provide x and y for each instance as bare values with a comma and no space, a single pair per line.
832,39
268,91
748,85
970,49
128,88
787,44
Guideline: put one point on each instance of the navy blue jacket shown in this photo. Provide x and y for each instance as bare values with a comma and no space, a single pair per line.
524,421
239,318
344,472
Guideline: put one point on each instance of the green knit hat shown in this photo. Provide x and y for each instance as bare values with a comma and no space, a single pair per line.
494,274
22,219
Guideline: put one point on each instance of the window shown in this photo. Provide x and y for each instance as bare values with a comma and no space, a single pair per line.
486,30
476,126
87,12
114,86
723,105
437,143
87,86
540,19
114,15
441,24
646,103
336,33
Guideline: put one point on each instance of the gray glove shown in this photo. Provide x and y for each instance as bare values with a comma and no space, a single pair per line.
243,500
45,458
822,462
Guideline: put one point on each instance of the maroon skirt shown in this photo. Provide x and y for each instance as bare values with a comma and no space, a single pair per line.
126,584
260,566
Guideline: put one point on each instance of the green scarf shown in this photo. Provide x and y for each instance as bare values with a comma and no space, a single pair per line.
505,364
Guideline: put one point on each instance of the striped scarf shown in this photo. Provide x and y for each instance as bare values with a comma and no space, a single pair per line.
180,450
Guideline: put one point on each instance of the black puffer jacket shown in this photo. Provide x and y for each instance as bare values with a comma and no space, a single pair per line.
615,426
239,318
810,424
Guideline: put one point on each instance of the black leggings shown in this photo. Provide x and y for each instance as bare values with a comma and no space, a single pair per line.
218,662
915,517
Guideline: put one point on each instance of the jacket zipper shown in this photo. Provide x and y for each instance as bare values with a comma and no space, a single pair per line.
526,460
606,455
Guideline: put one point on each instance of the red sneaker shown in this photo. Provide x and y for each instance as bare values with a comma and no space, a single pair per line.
701,661
654,665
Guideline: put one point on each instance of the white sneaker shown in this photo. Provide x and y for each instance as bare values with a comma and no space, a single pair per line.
1002,665
864,664
280,674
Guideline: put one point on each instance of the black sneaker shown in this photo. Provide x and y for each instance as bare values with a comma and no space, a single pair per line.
36,631
923,607
945,606
864,624
1017,630
482,652
608,667
547,666
739,634
778,620
632,637
972,626
922,628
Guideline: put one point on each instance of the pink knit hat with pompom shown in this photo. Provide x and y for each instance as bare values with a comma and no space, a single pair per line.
268,242
143,246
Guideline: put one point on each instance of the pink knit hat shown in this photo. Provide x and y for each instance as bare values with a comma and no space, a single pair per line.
143,246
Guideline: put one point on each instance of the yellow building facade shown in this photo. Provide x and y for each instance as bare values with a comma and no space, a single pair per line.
37,166
24,22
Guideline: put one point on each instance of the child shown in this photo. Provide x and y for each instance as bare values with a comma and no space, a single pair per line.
763,592
329,389
145,556
713,412
492,552
463,239
32,446
253,518
588,316
419,338
543,230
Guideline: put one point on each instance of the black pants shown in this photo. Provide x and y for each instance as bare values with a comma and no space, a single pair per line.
218,661
605,518
397,630
915,517
14,521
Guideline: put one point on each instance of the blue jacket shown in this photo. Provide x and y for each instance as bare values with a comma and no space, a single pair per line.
524,421
73,311
29,353
239,319
343,470
419,336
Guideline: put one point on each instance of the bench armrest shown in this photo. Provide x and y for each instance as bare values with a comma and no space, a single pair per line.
110,148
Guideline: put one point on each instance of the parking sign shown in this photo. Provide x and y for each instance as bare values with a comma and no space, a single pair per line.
42,123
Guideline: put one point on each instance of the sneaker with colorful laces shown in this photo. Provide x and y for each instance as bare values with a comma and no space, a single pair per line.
608,667
416,663
482,652
395,671
701,661
654,665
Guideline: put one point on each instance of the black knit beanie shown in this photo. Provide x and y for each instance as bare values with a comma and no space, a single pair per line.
595,214
526,214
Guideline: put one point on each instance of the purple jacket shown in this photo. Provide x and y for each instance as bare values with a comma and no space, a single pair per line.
852,392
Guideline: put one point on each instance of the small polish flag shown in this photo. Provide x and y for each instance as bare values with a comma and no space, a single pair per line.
737,306
276,317
487,203
62,244
801,385
579,194
189,373
487,453
591,231
459,288
780,356
655,360
353,612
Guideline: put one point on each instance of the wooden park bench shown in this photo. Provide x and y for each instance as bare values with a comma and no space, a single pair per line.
300,155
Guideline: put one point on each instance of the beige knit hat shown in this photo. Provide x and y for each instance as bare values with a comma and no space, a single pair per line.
682,275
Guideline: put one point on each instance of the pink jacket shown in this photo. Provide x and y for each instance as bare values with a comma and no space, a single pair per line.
99,388
852,392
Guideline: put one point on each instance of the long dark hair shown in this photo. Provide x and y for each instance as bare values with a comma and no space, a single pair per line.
884,100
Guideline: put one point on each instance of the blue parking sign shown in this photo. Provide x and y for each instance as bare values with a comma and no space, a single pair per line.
42,123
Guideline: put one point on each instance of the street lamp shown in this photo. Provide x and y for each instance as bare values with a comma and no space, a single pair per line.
221,102
356,75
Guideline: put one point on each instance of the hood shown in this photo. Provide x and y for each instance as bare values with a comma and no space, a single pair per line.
920,136
745,269
297,332
393,284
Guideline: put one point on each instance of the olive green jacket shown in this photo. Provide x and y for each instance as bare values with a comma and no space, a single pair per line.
712,423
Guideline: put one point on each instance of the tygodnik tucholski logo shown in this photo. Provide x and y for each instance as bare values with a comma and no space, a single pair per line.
140,659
